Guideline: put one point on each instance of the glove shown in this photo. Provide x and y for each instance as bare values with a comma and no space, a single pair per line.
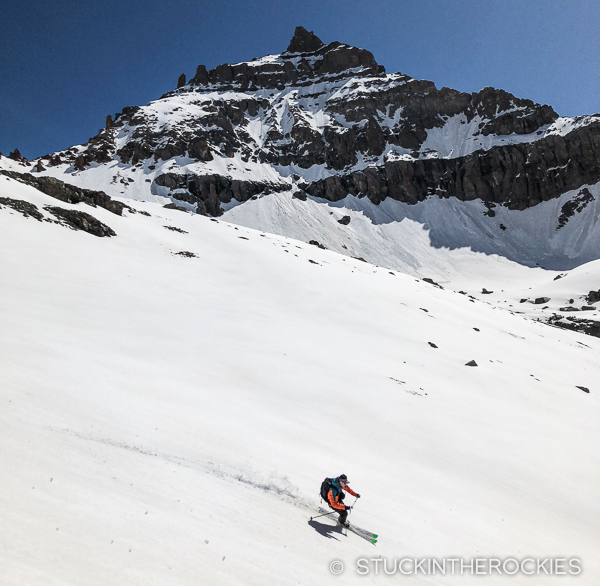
348,508
357,496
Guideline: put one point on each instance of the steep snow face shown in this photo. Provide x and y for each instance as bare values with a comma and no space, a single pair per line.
169,418
459,137
438,237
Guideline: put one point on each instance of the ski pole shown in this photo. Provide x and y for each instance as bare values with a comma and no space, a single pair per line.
323,515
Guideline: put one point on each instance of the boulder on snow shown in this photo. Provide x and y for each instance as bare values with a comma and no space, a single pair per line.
79,163
593,296
584,389
344,221
486,292
317,243
300,194
471,363
541,300
432,282
174,206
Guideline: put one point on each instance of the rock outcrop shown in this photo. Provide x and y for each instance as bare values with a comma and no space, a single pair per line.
78,220
68,193
517,176
209,191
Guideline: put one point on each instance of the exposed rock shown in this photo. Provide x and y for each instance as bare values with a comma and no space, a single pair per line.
471,363
576,324
79,163
587,308
573,206
17,156
486,292
432,344
345,220
209,191
68,193
517,176
541,300
568,308
175,229
80,221
39,167
174,206
300,194
318,60
593,296
23,207
318,244
432,282
186,254
201,77
181,81
584,389
304,41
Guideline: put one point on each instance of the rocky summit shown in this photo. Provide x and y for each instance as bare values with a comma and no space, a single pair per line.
327,121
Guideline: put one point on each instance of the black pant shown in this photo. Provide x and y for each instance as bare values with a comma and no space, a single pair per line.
343,514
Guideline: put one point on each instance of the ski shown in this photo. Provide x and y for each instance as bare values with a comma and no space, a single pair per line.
371,537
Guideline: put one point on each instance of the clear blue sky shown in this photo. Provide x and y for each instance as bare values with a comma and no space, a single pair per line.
65,65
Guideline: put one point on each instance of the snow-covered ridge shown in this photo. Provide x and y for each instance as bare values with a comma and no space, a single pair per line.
565,125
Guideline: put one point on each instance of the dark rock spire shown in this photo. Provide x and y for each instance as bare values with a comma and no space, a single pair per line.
304,41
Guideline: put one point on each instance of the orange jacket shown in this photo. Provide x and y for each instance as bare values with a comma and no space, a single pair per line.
334,501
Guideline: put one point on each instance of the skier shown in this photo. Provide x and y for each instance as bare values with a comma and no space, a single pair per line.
336,495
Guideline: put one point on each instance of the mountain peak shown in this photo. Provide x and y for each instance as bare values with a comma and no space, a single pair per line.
304,41
306,61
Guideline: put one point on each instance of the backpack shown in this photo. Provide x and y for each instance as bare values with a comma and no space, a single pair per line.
325,488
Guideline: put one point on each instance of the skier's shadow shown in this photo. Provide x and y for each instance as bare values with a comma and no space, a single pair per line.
329,531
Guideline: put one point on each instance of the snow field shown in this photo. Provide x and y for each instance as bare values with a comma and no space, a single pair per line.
187,409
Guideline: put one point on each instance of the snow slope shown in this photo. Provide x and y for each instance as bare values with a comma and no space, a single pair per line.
168,420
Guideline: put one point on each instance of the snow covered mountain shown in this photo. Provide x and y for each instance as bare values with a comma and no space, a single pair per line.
175,387
281,142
